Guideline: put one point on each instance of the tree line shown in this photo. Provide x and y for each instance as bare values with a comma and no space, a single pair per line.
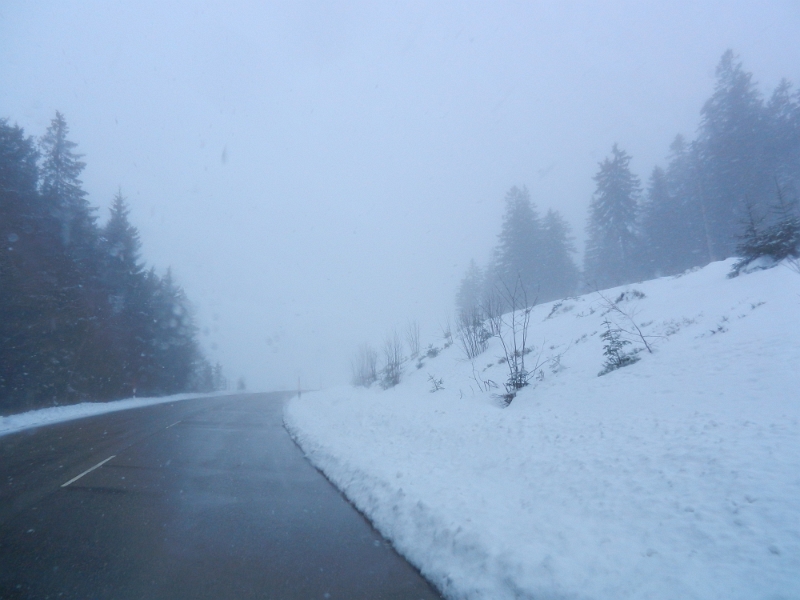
737,184
81,316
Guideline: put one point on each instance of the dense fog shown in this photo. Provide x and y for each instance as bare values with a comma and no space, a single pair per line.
316,176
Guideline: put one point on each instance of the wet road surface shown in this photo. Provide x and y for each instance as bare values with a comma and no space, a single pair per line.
205,498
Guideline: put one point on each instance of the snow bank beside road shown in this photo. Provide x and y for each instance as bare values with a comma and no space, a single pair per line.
675,477
57,414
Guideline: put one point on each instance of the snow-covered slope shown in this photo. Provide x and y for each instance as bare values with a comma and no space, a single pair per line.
675,477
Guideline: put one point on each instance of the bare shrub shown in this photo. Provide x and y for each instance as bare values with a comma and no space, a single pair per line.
393,360
492,308
472,335
412,339
447,333
364,366
513,337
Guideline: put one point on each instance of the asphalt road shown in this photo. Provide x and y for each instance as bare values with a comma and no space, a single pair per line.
205,498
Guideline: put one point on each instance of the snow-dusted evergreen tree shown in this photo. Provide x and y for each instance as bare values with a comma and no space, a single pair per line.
612,247
559,272
518,251
779,240
614,349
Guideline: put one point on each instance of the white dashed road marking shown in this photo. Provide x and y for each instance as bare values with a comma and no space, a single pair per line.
97,466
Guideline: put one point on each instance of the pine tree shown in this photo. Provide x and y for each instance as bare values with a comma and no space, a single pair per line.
173,350
777,241
518,252
121,241
783,147
658,226
62,188
733,161
614,349
692,244
29,249
612,248
673,233
127,315
559,273
82,310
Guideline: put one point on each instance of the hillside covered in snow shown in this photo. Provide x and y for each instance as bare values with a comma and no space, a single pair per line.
677,476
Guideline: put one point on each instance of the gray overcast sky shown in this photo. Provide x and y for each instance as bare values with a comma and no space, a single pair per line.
317,173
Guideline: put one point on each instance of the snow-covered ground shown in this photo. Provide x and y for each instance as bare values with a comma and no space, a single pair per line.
56,414
675,477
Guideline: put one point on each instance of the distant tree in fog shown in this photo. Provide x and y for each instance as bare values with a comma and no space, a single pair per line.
471,289
518,252
743,149
559,273
219,381
734,163
612,247
783,118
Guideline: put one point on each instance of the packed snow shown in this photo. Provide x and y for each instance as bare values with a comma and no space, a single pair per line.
675,477
57,414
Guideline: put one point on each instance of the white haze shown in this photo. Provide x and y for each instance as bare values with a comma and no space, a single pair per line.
318,173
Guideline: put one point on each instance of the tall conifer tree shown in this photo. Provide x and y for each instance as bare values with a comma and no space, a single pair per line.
560,275
82,308
124,282
733,162
29,353
612,248
518,252
61,187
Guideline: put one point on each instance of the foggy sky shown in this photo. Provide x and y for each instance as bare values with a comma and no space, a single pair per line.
317,173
